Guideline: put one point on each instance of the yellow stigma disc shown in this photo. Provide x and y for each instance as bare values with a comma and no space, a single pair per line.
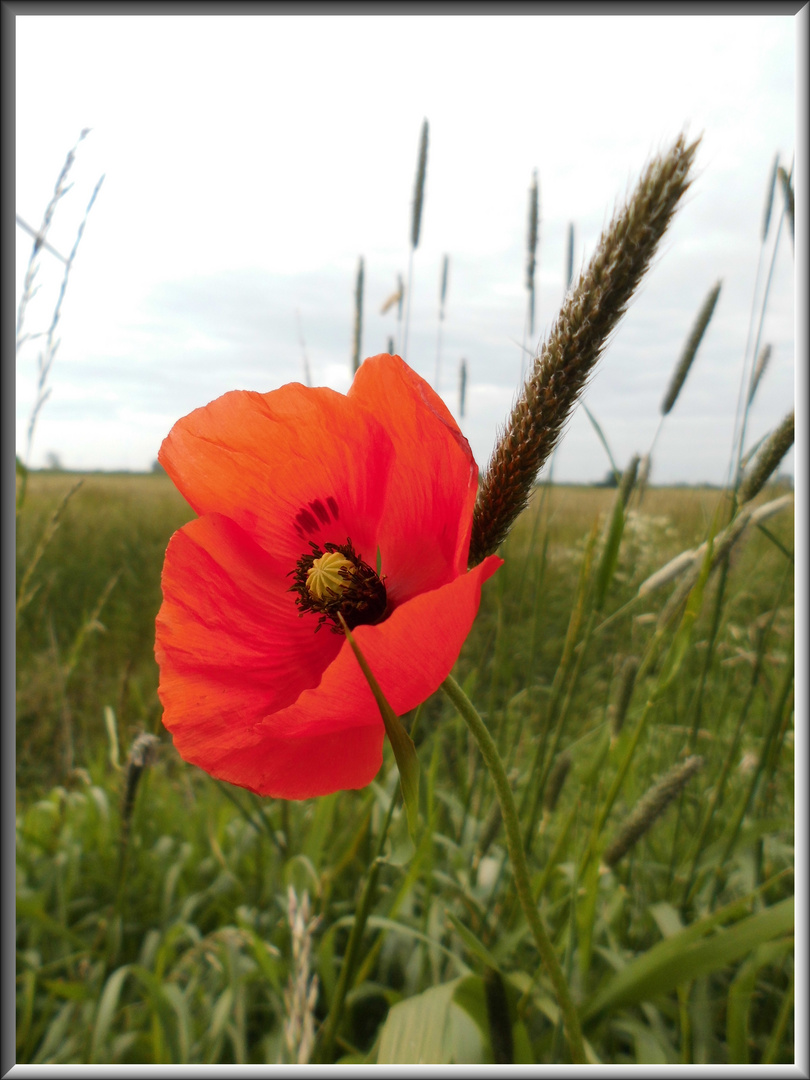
324,577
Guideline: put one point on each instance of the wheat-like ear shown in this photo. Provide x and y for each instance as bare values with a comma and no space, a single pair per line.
762,362
649,808
419,187
768,459
690,349
589,315
416,224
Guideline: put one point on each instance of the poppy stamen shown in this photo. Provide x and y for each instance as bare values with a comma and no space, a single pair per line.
335,580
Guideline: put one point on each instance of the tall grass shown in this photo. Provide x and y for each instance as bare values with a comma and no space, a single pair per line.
632,663
416,225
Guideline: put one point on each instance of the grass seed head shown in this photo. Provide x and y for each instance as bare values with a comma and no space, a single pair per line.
141,754
590,313
762,362
358,317
650,808
301,994
419,188
531,234
768,459
690,350
790,203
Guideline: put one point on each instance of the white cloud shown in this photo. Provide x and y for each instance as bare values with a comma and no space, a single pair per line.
251,160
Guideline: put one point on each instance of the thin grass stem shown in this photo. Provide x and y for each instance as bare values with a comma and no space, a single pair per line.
519,867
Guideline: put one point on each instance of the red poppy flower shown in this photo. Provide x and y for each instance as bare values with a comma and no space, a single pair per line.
313,502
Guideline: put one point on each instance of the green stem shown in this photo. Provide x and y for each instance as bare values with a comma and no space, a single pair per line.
520,870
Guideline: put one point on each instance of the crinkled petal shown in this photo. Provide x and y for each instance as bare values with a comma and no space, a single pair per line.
424,530
230,643
294,465
331,738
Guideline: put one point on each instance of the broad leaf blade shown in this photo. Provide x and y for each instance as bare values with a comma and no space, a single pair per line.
430,1029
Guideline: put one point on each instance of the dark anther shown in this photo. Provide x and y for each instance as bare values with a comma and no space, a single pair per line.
362,601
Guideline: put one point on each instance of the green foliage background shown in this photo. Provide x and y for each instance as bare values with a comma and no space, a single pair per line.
168,940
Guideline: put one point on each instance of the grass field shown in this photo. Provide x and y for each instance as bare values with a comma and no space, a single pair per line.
154,903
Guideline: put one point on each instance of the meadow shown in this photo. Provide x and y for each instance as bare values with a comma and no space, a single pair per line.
153,903
598,866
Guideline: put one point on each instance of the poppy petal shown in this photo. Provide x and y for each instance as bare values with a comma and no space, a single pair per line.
230,643
281,466
424,532
331,738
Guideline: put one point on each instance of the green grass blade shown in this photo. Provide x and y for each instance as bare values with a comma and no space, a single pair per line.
602,440
476,947
740,997
680,958
108,1003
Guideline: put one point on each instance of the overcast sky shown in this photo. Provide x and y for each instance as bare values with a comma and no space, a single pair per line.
250,161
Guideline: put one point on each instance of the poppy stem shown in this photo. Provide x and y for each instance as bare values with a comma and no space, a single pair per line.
520,870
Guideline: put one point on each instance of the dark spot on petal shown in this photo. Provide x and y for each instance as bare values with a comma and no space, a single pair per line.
306,521
333,506
320,510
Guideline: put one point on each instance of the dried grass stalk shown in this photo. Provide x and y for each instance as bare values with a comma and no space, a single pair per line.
60,190
47,355
301,994
650,808
690,350
768,459
590,313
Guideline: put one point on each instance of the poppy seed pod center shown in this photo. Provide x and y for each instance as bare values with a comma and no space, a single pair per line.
335,581
329,574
